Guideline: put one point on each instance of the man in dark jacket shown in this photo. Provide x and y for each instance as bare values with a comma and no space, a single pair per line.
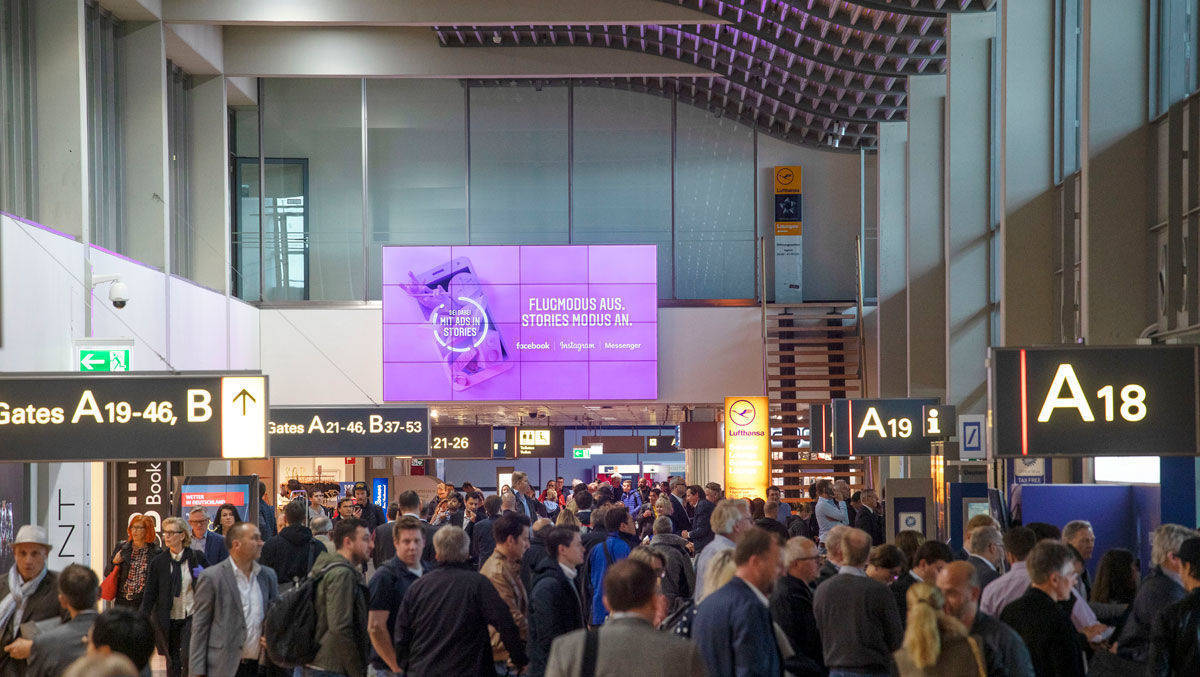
409,503
680,522
266,514
482,540
856,615
927,562
536,553
679,578
733,627
792,607
869,519
434,636
1054,645
1175,639
293,551
341,602
1004,651
371,514
1157,591
54,650
701,533
385,548
28,592
556,602
387,588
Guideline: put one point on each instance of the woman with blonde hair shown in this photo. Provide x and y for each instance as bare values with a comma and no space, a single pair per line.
567,519
934,642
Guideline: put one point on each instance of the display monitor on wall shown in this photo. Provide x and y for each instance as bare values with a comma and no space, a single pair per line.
520,323
211,492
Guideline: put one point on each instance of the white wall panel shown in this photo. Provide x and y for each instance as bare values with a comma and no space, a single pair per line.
143,319
244,346
42,304
197,327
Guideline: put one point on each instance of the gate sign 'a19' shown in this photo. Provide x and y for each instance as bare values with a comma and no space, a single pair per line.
1095,401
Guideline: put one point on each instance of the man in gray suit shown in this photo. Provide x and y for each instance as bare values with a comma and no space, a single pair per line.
231,600
54,650
986,549
628,638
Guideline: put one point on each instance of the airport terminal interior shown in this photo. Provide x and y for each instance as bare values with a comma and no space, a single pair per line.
599,337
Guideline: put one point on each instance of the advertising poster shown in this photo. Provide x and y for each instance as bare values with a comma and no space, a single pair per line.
747,447
789,235
211,492
517,323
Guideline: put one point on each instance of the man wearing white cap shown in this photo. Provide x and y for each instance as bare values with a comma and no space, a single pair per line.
29,592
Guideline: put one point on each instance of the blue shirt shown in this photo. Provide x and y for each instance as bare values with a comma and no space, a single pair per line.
618,549
830,513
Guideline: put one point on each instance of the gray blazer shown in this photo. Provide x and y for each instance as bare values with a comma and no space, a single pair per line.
55,649
626,642
218,627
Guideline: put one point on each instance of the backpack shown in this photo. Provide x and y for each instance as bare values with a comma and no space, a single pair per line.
290,624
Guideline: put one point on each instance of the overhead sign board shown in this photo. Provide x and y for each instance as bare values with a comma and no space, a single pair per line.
472,323
938,421
461,441
132,416
889,427
1094,401
789,231
349,431
539,442
747,447
818,428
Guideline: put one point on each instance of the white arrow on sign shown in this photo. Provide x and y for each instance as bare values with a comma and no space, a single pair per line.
90,361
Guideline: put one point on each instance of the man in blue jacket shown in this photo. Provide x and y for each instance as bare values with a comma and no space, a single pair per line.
605,553
733,625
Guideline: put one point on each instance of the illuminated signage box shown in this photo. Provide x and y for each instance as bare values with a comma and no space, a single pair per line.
747,447
461,441
818,428
520,323
132,416
539,442
890,427
1094,401
349,431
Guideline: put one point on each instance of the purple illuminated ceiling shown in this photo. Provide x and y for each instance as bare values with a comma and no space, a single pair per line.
816,72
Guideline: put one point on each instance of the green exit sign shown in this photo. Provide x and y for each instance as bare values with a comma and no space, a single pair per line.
581,452
96,359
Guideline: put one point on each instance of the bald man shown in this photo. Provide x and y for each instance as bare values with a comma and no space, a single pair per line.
1003,649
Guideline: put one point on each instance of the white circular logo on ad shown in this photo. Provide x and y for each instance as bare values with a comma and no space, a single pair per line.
460,329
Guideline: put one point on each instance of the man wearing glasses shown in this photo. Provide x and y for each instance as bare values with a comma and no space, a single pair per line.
203,540
792,606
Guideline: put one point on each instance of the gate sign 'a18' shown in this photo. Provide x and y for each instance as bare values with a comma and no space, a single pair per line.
1095,401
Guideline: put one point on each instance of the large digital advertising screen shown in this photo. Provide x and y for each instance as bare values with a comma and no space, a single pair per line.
574,322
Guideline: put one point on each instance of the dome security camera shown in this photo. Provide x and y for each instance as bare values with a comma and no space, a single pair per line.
118,291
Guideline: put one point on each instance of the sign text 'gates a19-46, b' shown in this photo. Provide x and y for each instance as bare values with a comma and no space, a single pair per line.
132,416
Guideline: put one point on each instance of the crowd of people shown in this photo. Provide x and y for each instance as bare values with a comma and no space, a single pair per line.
607,578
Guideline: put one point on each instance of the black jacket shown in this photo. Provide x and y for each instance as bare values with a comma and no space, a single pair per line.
872,523
291,553
1003,649
555,608
1049,635
1156,592
899,588
435,635
533,558
1175,639
679,578
372,516
384,545
483,542
680,522
792,610
126,550
156,596
701,533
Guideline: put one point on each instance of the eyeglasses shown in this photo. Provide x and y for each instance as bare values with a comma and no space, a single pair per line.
171,532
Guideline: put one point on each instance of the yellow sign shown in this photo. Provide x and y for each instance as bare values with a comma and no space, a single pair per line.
788,201
747,447
787,180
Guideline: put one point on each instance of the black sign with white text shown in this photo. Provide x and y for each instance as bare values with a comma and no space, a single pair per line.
461,441
879,427
132,416
1094,401
349,431
539,442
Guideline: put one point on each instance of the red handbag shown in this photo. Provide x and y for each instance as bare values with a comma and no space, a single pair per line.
108,588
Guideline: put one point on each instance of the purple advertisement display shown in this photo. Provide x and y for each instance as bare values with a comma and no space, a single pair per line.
576,322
